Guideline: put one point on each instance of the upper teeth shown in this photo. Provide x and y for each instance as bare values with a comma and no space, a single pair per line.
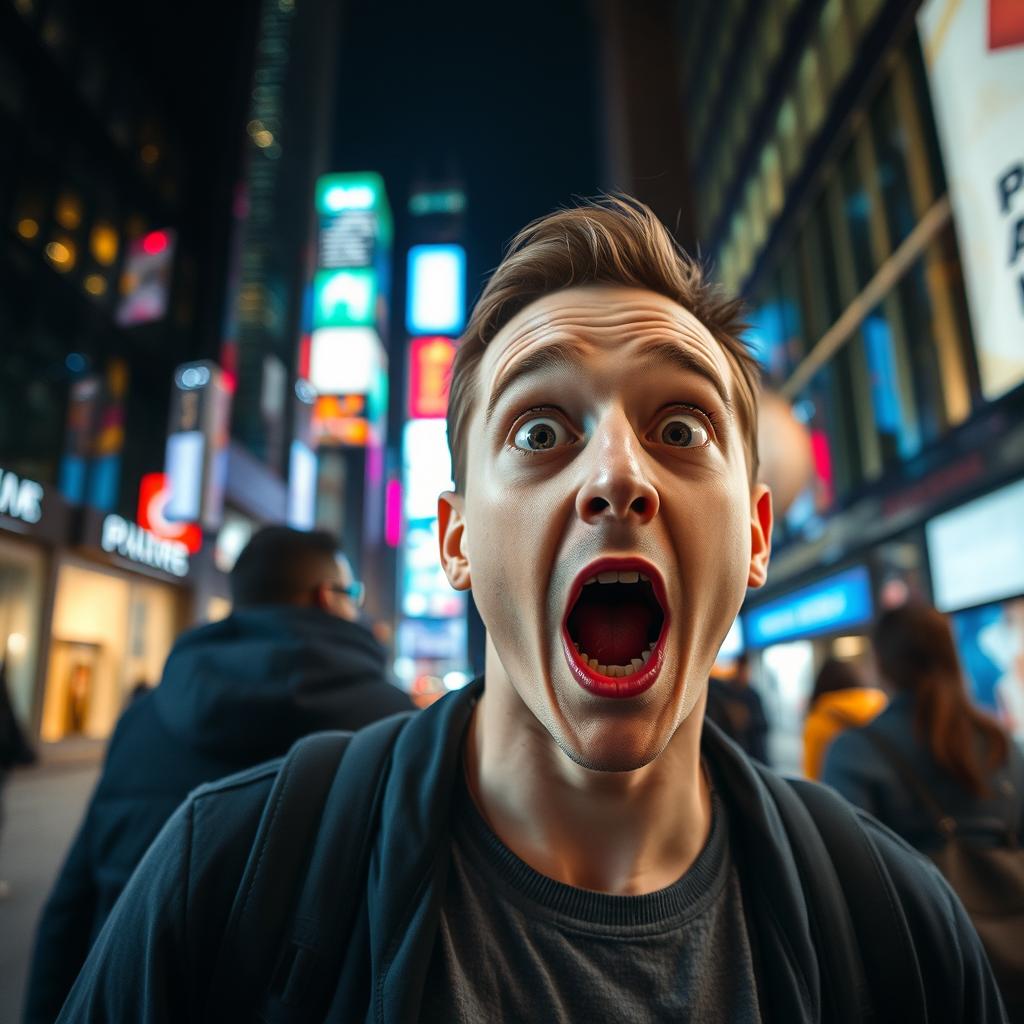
618,576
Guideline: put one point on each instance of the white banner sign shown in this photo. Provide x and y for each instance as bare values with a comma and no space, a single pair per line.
974,50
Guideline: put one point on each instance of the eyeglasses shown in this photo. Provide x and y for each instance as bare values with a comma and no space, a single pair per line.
355,591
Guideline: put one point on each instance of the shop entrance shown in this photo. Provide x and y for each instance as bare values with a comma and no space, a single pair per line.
111,632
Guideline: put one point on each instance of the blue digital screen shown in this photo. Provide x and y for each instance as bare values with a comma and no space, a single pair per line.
436,289
834,603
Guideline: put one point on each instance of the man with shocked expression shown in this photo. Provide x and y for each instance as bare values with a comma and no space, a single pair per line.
609,528
565,839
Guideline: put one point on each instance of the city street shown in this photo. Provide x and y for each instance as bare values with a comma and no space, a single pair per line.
42,807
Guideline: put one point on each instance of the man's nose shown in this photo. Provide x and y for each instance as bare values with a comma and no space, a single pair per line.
617,486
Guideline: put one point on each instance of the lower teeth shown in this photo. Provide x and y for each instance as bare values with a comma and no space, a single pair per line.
615,671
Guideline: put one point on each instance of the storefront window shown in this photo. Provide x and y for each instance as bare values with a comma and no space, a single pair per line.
110,632
22,574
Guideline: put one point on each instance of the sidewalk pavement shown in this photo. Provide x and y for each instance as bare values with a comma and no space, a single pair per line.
43,806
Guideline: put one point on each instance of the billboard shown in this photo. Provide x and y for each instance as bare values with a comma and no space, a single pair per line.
974,52
990,641
345,360
197,440
436,289
430,365
345,298
837,602
146,279
976,551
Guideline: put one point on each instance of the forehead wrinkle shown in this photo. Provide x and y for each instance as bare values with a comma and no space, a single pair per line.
539,357
579,324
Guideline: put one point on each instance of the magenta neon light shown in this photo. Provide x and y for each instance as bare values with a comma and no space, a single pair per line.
393,513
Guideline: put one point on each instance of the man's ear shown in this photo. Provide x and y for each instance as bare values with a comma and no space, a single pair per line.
451,525
761,517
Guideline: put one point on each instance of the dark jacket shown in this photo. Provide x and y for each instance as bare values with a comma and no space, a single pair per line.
855,768
234,693
155,961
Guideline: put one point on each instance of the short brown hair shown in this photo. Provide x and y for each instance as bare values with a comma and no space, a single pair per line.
614,240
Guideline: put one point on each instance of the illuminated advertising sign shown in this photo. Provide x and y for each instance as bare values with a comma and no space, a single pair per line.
354,220
974,53
196,455
336,193
342,420
146,279
838,602
154,492
345,360
427,640
130,541
976,551
347,240
427,466
345,298
430,363
20,498
302,471
426,592
436,289
79,436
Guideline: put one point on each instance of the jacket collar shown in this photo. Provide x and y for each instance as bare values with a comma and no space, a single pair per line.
408,869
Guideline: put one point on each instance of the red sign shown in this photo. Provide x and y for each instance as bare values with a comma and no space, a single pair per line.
430,364
1005,24
153,495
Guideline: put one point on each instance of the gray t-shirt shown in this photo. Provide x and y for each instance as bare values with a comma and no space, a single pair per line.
514,945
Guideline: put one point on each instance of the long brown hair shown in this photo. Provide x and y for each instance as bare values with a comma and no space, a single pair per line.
916,654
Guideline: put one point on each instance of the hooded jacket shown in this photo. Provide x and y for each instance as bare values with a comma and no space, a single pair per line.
234,693
156,961
833,713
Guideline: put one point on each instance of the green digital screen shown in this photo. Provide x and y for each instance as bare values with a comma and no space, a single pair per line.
345,298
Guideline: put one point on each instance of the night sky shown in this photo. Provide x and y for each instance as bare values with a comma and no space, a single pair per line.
506,95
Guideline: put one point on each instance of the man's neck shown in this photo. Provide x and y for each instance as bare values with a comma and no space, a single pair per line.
617,832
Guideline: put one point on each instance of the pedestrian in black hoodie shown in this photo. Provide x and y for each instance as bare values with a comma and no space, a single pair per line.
291,659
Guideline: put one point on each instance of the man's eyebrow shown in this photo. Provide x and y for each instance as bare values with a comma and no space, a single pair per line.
554,356
688,361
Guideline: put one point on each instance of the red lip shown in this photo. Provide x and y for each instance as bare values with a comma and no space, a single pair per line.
644,678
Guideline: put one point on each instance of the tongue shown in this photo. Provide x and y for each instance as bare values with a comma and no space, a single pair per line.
613,633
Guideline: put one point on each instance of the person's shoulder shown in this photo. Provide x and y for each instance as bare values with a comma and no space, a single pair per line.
851,748
238,795
907,886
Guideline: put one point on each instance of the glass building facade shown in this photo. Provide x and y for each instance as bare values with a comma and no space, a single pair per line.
821,196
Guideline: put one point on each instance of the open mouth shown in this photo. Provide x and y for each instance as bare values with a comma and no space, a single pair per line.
613,632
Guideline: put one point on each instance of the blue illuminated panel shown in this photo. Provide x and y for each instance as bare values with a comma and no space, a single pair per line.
436,289
838,602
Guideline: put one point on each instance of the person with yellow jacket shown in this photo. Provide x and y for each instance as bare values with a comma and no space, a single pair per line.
841,700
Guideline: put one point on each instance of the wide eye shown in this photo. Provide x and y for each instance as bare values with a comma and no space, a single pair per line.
540,435
682,430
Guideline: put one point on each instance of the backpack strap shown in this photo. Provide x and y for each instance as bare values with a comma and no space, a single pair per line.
845,993
316,800
881,931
